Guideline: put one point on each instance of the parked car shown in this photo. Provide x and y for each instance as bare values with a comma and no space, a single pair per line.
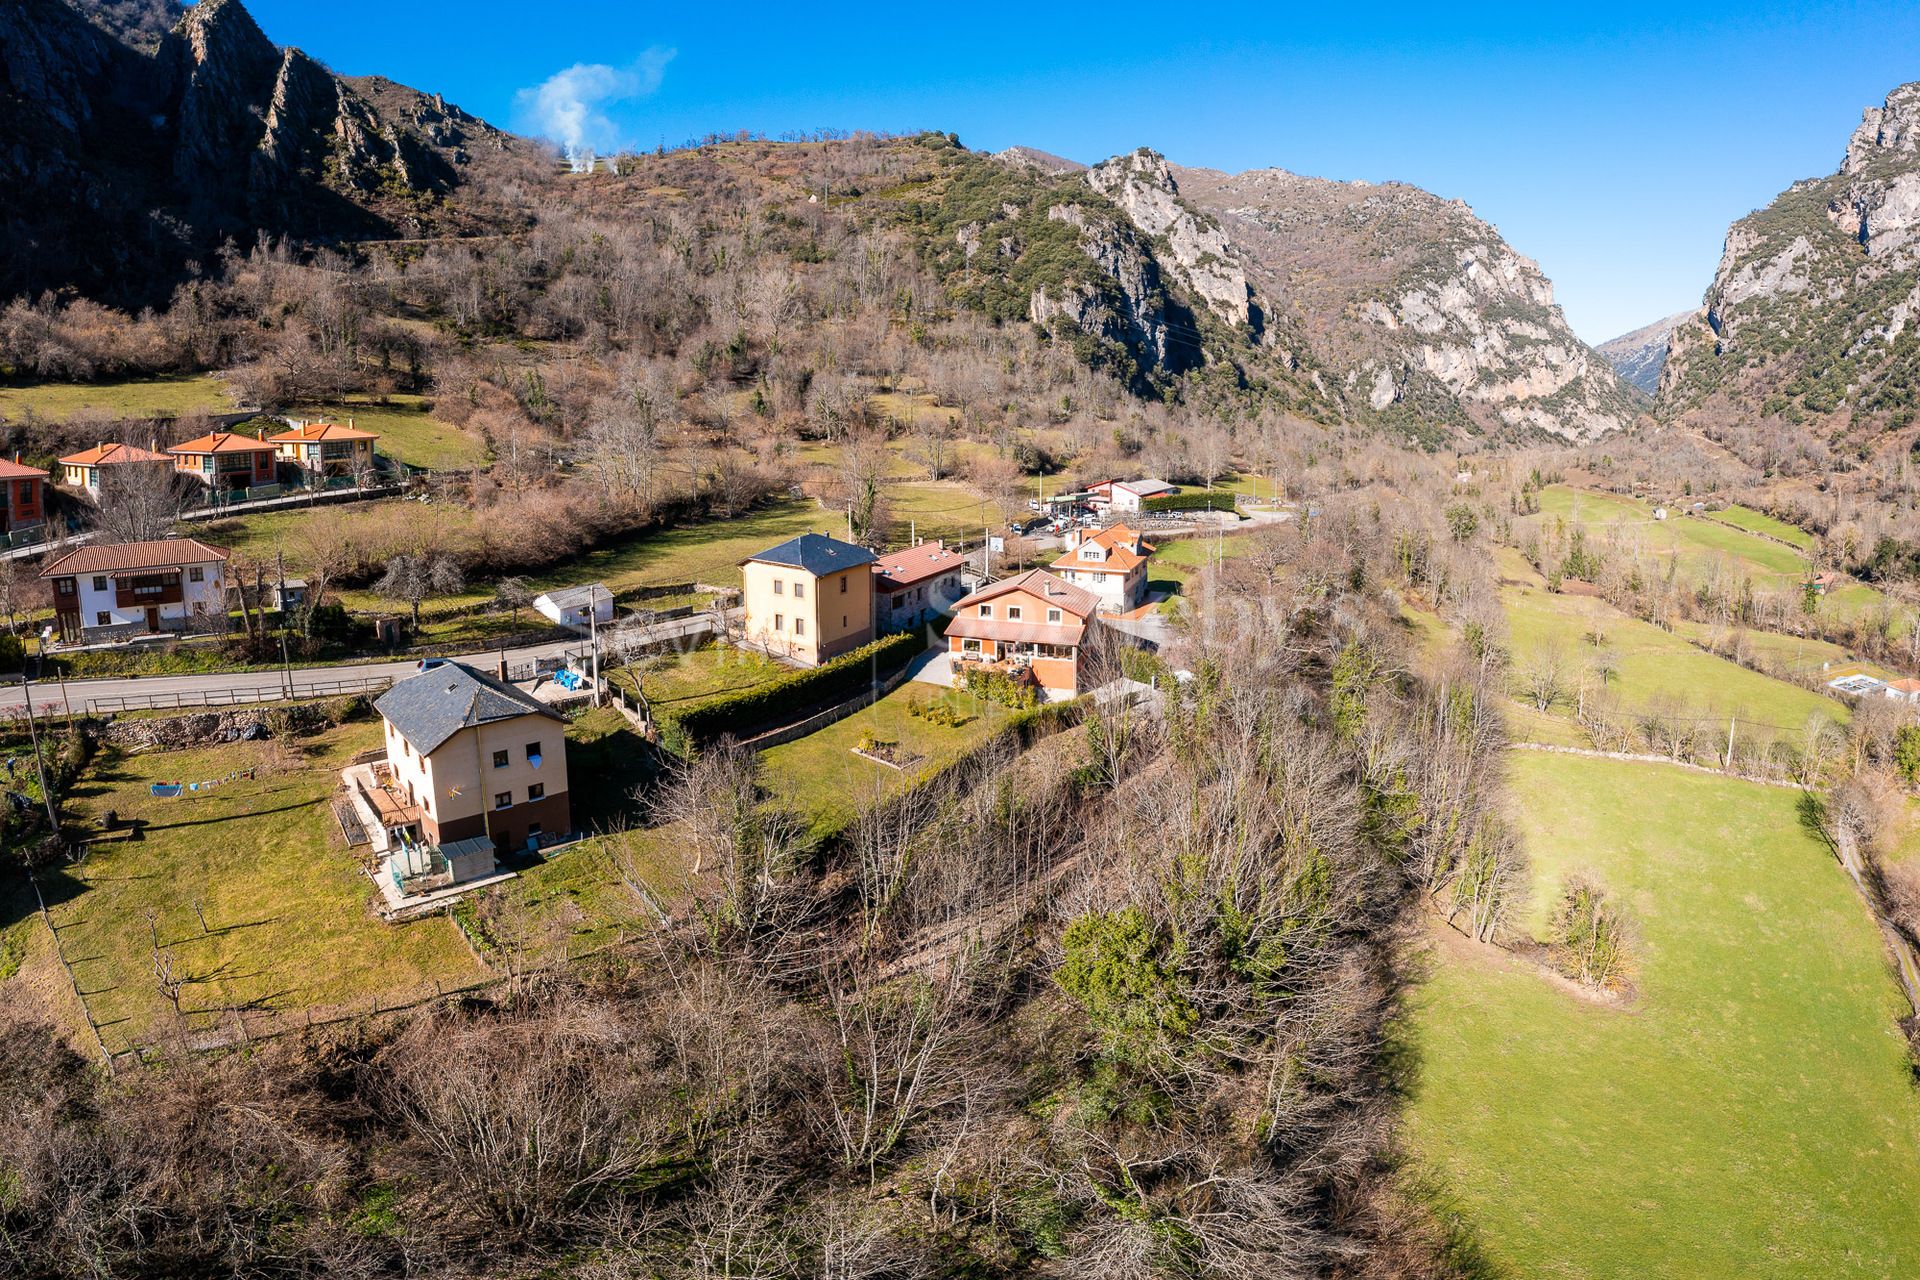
428,664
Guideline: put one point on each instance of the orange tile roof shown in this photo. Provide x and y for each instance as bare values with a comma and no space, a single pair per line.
311,431
1119,559
223,442
11,470
108,454
162,554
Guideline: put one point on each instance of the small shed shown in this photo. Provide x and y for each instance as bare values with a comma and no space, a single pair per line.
576,606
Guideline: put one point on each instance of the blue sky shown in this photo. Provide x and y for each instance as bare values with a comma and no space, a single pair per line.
1613,144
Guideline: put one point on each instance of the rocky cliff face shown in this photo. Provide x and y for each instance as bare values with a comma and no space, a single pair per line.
1639,356
1380,304
1811,317
123,160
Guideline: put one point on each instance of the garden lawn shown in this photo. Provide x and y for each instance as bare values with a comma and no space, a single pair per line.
821,776
674,679
289,924
1751,1111
409,432
130,398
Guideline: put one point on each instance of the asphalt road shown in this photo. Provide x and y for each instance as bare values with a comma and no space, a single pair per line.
81,695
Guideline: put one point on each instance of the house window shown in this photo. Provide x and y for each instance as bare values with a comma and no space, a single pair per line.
63,586
103,619
99,582
799,626
537,791
533,831
843,584
779,622
1089,553
969,646
1053,615
196,574
503,799
799,591
779,586
533,754
986,611
499,759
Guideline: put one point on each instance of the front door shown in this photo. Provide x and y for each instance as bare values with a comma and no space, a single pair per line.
153,619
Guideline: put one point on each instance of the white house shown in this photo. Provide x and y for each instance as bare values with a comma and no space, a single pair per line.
1111,563
139,588
576,606
1129,494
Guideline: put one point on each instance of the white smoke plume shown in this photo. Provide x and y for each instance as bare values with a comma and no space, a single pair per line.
572,107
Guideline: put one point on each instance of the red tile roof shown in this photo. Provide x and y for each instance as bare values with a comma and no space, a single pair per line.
223,442
311,431
108,454
165,553
11,470
902,569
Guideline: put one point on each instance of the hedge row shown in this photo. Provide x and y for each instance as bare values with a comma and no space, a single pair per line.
785,698
1218,500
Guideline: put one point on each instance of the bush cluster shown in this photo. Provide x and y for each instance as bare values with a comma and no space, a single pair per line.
1218,500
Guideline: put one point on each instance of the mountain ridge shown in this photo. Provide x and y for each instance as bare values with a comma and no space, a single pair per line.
127,163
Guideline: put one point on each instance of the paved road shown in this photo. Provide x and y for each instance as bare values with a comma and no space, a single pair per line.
80,695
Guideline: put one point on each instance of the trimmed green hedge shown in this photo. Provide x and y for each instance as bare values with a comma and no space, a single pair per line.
1218,500
783,698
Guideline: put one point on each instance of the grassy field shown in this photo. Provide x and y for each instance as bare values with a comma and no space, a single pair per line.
822,777
1749,1113
1651,668
133,398
1700,545
288,923
707,552
1759,522
408,432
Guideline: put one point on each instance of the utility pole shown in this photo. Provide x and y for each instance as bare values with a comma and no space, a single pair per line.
1728,762
593,630
39,759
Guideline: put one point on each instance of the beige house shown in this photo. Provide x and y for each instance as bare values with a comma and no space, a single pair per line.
472,756
809,599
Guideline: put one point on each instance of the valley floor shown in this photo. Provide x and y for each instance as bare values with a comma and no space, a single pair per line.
1748,1110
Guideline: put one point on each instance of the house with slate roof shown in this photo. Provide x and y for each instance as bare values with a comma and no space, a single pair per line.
808,599
470,756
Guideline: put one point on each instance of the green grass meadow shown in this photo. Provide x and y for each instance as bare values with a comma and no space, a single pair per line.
1749,1112
129,398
